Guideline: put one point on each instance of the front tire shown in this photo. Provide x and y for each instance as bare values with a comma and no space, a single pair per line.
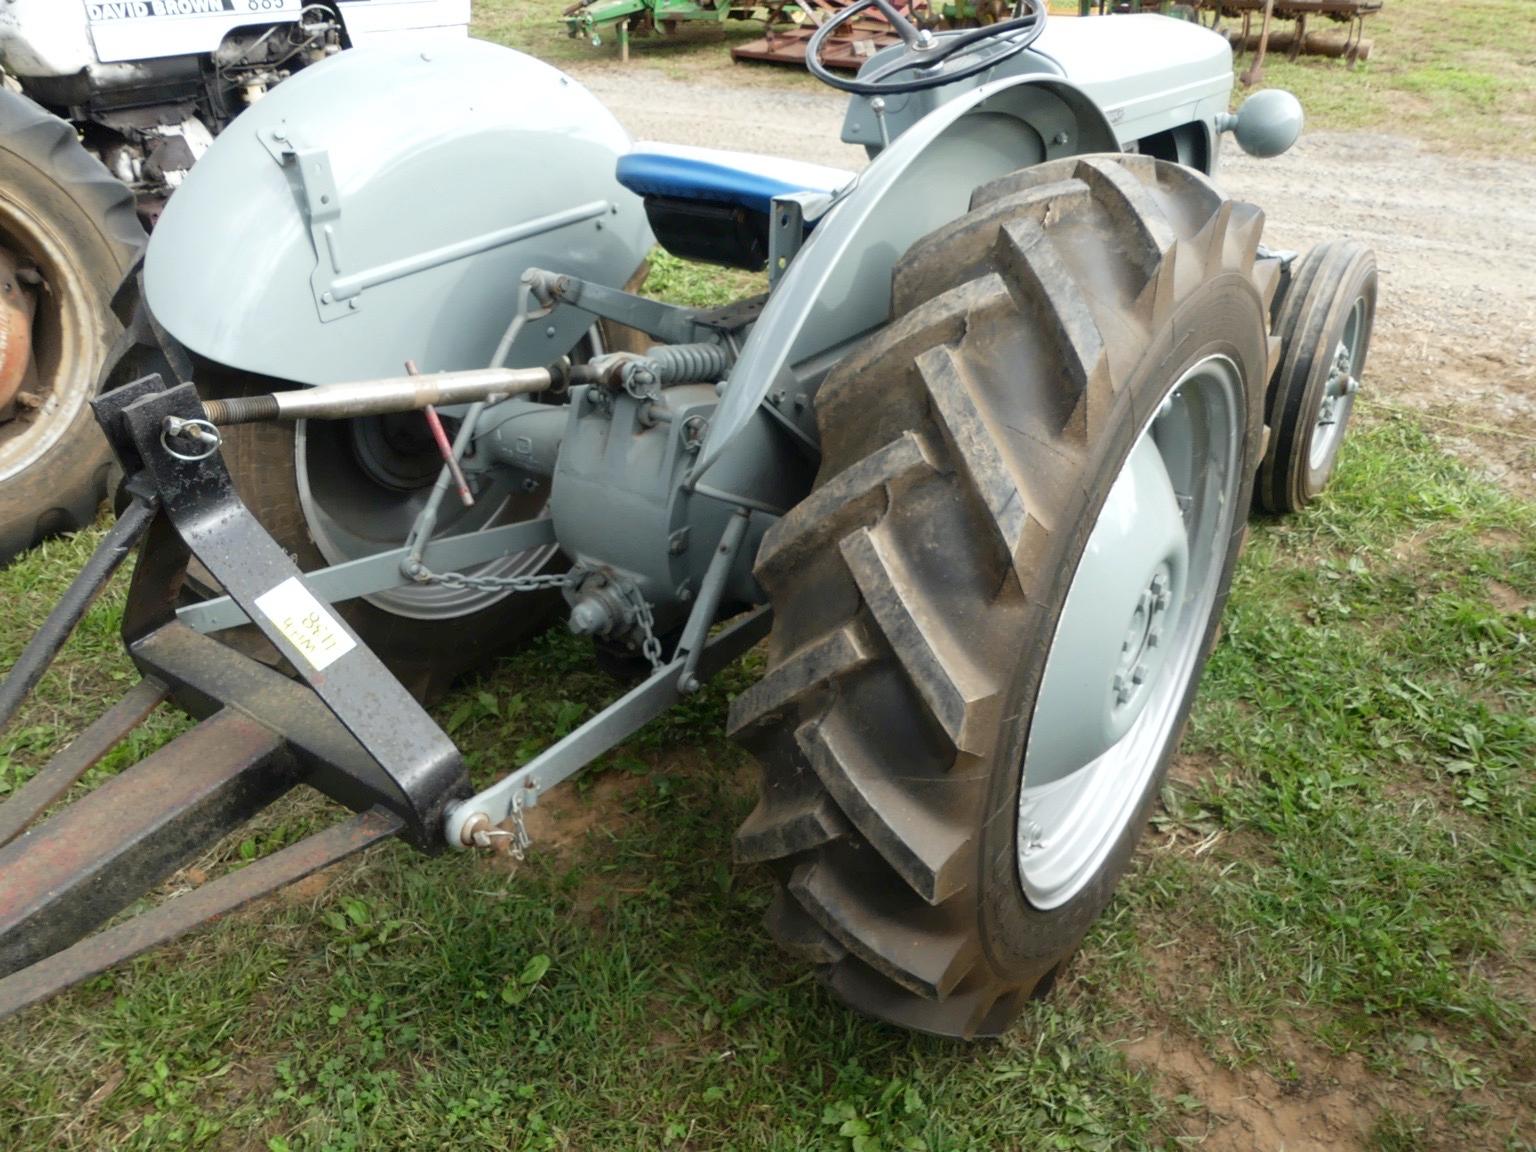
1323,322
989,461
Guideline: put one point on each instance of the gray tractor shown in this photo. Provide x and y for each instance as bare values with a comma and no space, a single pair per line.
978,466
104,107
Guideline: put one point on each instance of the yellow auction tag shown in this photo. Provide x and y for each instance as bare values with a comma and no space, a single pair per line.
305,623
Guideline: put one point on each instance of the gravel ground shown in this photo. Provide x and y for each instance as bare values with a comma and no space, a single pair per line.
1456,327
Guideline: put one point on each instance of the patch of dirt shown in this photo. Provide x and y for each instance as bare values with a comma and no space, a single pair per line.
565,817
1188,769
1506,599
1512,967
1500,538
565,821
1249,1109
107,1080
1181,828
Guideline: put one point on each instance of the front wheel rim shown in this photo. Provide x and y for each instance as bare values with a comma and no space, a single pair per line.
1109,701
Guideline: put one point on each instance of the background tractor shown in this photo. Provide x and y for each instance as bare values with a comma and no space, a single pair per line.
978,466
104,109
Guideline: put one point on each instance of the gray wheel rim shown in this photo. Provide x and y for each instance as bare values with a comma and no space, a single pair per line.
1128,641
1338,399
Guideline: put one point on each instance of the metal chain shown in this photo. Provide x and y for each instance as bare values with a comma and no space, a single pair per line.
514,842
497,583
650,647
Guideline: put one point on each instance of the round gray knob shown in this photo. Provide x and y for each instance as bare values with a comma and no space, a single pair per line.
1267,124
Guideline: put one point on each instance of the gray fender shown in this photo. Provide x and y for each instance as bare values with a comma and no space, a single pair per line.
838,287
381,206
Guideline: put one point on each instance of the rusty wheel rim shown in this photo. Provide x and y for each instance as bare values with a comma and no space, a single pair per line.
65,341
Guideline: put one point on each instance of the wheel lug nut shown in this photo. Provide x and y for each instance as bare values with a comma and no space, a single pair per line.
1154,638
1139,674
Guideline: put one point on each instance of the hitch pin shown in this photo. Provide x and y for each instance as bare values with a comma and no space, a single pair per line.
479,832
194,431
444,448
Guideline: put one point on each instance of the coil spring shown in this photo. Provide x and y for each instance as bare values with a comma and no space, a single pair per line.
676,363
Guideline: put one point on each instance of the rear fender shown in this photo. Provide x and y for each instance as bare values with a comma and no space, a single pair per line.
381,206
838,288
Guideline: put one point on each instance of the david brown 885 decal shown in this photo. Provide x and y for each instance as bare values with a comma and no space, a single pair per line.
145,9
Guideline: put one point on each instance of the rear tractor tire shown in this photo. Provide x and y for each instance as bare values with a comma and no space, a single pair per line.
992,611
68,233
1323,320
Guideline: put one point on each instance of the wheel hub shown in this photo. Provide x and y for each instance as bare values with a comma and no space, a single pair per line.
1341,383
1339,390
17,306
361,489
396,451
1138,651
1128,585
58,354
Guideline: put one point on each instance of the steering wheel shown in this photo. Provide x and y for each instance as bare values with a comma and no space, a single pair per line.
934,59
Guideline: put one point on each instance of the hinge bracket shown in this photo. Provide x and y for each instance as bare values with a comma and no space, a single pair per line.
309,173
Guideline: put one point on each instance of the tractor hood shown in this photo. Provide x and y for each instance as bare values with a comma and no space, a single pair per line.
381,206
1147,72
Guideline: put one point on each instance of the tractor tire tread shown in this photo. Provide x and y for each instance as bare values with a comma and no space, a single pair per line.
54,146
888,655
95,220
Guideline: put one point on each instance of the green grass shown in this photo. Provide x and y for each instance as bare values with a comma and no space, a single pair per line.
1459,76
1335,897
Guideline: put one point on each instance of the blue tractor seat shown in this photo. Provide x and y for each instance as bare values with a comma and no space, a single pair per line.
714,205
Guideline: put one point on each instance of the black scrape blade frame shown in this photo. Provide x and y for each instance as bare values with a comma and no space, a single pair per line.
353,733
390,753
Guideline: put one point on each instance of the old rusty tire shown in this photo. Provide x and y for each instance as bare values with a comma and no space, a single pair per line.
332,491
68,225
1324,323
992,612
